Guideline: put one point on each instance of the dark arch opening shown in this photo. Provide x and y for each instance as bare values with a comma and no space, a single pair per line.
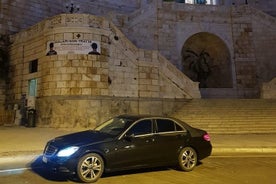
206,59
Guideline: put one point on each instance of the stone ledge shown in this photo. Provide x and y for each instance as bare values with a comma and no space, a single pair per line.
268,90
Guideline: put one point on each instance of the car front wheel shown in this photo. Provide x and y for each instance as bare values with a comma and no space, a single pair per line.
187,159
90,168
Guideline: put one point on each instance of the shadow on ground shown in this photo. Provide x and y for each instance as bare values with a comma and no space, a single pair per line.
42,170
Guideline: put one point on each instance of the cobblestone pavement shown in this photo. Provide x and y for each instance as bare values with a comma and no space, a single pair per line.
213,170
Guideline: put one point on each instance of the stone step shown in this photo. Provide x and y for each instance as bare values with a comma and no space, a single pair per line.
231,122
219,122
234,127
229,118
240,130
230,115
251,126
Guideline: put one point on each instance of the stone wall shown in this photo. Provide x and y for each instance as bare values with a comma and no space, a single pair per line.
172,24
19,15
267,6
6,113
254,36
244,51
164,26
264,32
70,83
269,90
88,111
247,33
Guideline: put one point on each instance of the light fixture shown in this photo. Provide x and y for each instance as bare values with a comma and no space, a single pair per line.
66,152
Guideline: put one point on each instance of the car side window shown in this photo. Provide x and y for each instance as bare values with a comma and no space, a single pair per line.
166,125
141,128
178,128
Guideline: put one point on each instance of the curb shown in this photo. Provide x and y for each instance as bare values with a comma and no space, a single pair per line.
252,150
18,158
17,161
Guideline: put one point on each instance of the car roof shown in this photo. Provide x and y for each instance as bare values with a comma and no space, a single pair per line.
139,116
135,117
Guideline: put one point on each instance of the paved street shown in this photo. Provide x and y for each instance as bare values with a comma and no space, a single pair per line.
236,159
214,170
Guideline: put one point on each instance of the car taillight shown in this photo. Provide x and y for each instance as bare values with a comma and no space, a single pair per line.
206,137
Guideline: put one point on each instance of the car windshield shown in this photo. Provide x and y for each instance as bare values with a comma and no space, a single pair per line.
114,126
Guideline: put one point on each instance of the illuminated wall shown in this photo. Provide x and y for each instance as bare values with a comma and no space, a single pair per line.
71,86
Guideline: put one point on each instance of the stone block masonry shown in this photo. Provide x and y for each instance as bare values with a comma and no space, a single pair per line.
88,111
248,35
73,75
269,90
79,90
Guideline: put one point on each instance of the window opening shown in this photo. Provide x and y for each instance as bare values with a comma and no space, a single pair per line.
33,66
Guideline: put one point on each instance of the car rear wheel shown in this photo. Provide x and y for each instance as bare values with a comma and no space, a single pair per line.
90,168
187,159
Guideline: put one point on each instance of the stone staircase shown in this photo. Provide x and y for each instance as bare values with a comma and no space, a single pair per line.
230,116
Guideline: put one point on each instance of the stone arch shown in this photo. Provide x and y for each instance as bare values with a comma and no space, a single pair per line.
206,59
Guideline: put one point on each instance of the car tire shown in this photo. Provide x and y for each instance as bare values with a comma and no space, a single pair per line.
90,168
187,159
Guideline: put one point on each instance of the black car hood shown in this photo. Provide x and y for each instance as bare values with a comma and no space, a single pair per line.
81,138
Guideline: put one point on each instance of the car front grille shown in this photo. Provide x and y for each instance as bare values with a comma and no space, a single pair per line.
50,150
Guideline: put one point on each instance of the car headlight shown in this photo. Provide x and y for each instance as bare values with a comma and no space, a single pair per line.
66,152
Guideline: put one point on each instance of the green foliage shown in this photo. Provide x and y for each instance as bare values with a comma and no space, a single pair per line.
4,56
199,64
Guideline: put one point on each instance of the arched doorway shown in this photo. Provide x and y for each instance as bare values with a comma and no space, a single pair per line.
206,59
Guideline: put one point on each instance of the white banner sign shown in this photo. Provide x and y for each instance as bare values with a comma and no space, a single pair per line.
73,47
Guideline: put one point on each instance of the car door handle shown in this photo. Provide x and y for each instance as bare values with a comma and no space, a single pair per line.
129,146
150,140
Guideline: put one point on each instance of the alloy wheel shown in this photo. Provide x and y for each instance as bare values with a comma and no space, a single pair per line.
187,159
90,168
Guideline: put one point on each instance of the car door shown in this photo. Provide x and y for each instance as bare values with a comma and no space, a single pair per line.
135,148
170,137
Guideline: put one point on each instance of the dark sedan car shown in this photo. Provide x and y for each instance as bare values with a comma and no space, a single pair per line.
128,142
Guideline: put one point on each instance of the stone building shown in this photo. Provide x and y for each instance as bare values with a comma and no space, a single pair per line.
151,52
74,87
